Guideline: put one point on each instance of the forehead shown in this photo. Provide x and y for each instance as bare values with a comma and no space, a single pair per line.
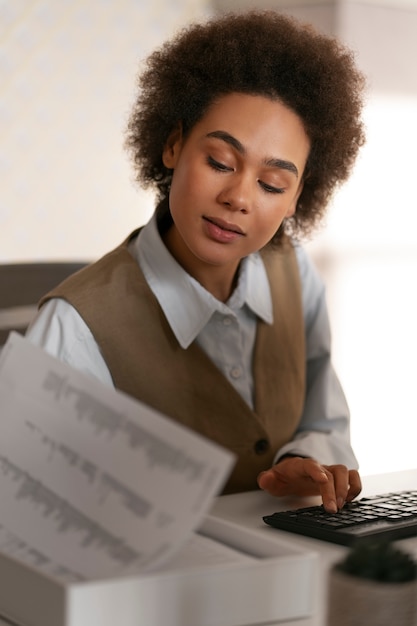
265,127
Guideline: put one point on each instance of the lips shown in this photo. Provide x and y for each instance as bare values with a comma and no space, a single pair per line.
226,226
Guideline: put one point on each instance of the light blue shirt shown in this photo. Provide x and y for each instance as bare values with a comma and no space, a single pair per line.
226,331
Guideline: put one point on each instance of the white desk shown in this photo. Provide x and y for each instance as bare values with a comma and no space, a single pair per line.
248,508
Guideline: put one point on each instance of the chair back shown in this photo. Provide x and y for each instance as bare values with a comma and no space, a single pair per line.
21,287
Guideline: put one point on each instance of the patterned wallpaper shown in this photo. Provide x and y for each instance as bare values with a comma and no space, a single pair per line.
67,77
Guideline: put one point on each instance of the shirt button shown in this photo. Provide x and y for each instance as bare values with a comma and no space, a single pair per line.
227,321
236,372
261,446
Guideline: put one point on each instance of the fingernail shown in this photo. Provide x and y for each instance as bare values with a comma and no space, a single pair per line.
340,503
332,506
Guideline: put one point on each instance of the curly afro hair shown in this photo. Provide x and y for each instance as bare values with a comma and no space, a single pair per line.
258,53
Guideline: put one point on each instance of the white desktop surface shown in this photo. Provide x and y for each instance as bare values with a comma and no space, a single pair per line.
248,508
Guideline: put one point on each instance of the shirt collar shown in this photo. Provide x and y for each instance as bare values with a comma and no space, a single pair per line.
186,304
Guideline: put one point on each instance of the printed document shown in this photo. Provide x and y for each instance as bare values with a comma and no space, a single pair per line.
94,484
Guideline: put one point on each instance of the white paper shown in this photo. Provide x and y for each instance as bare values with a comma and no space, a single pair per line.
94,484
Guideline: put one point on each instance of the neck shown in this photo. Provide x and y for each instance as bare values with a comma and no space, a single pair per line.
219,280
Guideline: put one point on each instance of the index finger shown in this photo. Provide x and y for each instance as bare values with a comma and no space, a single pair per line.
327,487
328,494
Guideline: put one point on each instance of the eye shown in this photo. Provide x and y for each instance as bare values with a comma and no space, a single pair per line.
219,167
270,188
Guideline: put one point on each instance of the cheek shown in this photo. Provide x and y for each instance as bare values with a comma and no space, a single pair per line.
183,199
188,187
268,223
182,179
178,189
275,217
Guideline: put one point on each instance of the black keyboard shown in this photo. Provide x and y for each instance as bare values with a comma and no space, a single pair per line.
388,517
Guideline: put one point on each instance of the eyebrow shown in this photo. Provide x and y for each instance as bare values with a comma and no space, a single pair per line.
281,164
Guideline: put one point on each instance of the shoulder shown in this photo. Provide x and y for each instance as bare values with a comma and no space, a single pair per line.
312,285
60,330
307,268
117,267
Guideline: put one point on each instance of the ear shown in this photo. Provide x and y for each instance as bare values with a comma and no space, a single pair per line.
172,147
293,206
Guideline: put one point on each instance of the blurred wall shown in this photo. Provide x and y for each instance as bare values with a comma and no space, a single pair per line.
371,242
67,78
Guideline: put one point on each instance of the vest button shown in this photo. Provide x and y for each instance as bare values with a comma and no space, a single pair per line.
236,372
261,446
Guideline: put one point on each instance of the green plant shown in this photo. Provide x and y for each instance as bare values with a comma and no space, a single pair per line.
379,561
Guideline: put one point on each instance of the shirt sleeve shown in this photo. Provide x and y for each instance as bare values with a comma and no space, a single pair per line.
60,330
324,429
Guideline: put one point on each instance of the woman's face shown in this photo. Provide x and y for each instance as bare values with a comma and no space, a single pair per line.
236,176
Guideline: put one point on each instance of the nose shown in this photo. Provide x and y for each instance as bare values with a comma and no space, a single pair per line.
237,194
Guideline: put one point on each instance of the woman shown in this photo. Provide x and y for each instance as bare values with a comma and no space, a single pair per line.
212,313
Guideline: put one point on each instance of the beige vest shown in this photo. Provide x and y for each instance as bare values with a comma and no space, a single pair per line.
146,361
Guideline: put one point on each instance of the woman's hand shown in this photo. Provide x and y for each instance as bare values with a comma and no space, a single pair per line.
336,484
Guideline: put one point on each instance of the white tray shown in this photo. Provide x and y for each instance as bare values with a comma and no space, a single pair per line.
265,580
